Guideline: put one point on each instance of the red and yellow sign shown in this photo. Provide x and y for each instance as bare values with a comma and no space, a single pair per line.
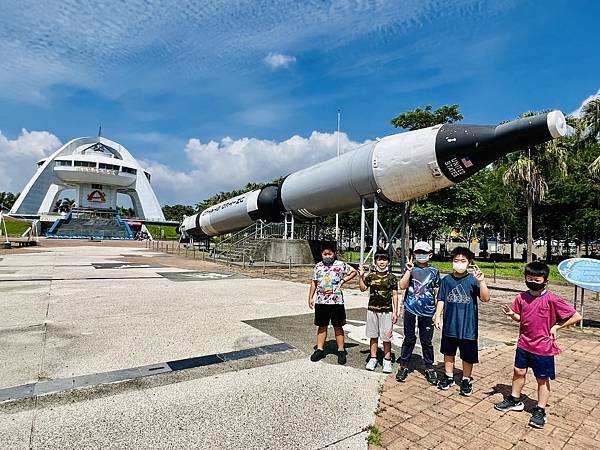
96,196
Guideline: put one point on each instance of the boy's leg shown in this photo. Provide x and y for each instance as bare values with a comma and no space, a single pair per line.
410,338
449,365
467,369
339,338
373,347
321,337
513,401
448,349
426,336
387,350
543,392
518,381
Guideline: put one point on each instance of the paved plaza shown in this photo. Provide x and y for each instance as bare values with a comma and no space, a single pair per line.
112,345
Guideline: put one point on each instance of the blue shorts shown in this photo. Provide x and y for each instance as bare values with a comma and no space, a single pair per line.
543,366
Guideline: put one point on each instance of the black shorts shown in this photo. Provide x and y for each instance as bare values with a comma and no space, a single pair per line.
468,348
543,366
336,314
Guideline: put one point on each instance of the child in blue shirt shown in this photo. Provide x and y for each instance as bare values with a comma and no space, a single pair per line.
421,282
457,300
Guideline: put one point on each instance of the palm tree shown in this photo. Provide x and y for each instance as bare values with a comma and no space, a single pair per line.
529,171
589,129
66,205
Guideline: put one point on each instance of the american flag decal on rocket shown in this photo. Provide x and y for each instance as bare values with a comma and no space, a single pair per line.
466,162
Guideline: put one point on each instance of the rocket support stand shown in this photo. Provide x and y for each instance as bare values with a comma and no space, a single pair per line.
377,228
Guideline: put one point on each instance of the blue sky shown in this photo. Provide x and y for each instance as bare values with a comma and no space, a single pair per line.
211,95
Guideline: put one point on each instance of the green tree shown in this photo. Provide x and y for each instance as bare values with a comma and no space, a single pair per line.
178,212
589,130
66,205
529,170
415,120
7,200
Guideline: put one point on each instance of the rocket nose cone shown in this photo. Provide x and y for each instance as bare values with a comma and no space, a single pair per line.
557,125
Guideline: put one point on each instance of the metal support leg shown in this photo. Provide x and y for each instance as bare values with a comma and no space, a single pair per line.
362,232
375,229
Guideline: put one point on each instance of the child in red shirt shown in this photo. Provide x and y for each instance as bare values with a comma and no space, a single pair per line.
539,312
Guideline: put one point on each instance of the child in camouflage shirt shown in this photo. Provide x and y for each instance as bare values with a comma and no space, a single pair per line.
382,312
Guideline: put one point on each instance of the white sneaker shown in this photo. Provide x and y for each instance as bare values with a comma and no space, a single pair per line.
387,366
371,364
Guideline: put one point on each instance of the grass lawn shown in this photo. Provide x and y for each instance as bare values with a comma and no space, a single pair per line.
170,232
503,269
15,227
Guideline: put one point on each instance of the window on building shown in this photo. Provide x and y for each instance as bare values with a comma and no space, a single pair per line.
63,163
97,186
108,166
147,175
128,170
85,164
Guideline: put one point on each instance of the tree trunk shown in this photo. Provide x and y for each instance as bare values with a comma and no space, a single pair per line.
529,229
407,208
512,248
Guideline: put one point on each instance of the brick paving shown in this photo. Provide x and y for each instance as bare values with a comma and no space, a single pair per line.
416,415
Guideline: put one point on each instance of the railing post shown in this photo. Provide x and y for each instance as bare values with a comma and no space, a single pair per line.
290,267
494,271
264,262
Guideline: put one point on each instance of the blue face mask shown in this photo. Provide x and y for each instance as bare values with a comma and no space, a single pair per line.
420,258
328,260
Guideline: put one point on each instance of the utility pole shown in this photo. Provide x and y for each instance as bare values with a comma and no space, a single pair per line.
337,216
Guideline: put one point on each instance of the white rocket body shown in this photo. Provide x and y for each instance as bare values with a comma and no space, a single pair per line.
395,169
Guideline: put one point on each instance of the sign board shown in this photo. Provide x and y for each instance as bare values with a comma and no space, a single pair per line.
582,272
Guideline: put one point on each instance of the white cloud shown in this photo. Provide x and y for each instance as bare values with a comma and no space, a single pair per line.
18,157
577,112
231,164
139,44
278,60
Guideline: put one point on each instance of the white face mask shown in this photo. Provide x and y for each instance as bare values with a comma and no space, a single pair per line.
460,267
381,269
421,258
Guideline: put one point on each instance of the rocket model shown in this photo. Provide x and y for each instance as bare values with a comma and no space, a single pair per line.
394,169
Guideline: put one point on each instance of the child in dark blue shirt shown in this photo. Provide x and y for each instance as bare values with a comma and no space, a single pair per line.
457,300
421,282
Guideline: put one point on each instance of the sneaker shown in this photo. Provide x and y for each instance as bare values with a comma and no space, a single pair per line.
371,364
402,374
538,418
466,387
387,366
317,355
431,377
341,357
446,383
510,404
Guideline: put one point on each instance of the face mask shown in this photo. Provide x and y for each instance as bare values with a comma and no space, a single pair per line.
381,269
421,258
328,260
535,286
460,267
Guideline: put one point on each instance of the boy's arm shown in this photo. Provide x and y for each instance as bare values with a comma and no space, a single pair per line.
509,312
395,304
405,280
575,318
352,273
484,292
437,318
311,294
361,279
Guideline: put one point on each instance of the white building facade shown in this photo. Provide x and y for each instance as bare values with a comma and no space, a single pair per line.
98,169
